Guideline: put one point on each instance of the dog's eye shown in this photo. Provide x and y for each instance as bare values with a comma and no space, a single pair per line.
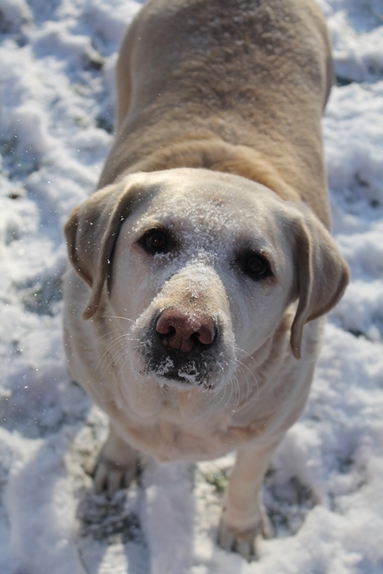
256,266
155,241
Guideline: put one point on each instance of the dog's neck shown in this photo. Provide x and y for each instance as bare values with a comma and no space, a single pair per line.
215,154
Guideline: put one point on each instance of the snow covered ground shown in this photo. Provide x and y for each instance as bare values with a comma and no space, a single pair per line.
324,492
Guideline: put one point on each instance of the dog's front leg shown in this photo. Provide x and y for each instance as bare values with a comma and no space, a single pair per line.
116,465
244,516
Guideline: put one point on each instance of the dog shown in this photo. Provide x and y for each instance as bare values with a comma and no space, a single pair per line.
202,267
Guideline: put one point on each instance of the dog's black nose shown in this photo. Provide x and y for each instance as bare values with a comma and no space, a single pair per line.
185,331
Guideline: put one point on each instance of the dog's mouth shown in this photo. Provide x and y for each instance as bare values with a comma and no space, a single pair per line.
183,372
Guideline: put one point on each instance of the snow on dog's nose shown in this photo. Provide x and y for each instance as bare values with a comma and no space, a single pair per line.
186,332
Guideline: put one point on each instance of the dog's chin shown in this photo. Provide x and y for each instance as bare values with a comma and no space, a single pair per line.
186,376
154,381
183,381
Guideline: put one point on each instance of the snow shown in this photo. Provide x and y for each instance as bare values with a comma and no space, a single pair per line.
324,489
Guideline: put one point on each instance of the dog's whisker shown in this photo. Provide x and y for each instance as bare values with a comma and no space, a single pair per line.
243,368
235,380
101,364
108,349
228,388
104,336
247,356
117,317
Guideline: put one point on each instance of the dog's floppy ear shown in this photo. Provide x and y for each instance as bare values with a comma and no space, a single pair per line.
91,233
321,274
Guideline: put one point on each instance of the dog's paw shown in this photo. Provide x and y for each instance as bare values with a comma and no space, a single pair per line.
110,476
243,542
116,466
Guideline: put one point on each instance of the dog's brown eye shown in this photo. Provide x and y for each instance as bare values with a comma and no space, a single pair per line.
256,267
155,241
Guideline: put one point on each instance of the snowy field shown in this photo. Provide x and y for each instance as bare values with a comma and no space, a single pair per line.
324,491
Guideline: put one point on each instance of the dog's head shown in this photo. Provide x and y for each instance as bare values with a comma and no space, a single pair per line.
200,267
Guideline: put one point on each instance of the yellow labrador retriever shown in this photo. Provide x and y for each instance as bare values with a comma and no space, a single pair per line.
202,265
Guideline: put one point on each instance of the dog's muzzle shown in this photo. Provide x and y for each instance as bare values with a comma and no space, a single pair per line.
183,346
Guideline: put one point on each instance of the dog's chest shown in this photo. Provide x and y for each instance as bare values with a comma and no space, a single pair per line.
200,439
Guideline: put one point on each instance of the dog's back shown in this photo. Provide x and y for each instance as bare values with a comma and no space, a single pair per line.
254,73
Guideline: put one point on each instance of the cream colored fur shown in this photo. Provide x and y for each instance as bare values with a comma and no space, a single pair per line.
219,147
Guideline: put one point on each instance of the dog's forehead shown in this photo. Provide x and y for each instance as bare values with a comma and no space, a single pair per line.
213,203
